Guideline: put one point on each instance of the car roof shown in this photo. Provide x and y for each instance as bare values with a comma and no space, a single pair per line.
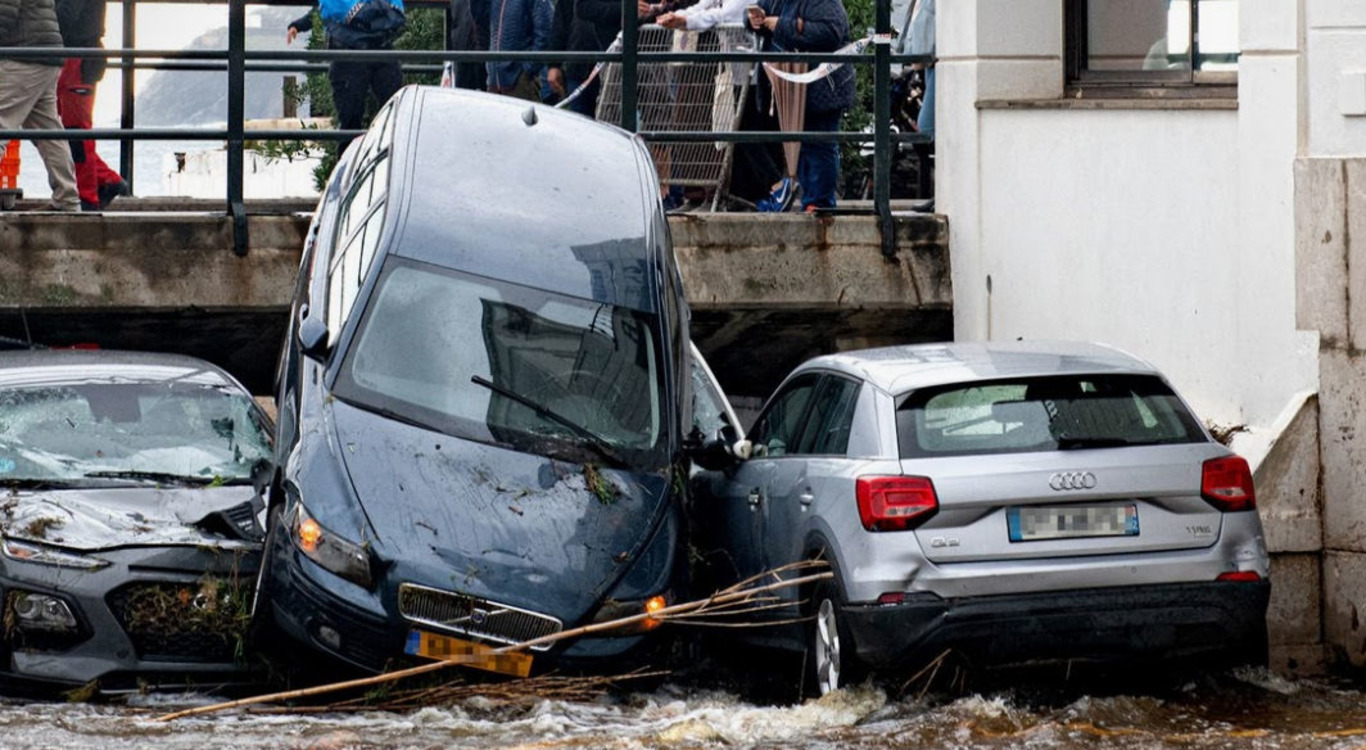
898,369
50,367
510,190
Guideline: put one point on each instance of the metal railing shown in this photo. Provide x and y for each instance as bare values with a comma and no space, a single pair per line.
237,61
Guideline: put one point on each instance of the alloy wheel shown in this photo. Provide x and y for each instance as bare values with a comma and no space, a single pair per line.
827,647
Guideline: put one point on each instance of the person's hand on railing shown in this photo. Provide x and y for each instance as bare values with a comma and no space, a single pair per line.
672,21
291,34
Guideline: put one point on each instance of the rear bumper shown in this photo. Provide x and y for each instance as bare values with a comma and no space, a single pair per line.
1214,621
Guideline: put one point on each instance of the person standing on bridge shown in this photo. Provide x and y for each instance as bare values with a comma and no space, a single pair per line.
357,25
82,26
28,90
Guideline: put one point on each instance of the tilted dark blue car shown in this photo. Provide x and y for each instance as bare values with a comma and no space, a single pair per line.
484,389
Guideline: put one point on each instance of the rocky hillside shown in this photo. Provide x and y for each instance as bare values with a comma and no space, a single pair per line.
173,97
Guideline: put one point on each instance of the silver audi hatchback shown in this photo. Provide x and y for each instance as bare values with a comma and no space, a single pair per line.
1017,503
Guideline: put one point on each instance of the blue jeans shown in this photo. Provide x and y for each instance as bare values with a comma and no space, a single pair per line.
818,167
925,122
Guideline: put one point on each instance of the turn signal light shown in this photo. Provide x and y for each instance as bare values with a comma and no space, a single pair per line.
653,605
1240,576
895,503
1226,483
310,533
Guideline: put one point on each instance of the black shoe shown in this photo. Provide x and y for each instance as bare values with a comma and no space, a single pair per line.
111,190
924,207
88,206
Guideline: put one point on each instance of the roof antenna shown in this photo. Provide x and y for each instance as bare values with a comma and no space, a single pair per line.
529,116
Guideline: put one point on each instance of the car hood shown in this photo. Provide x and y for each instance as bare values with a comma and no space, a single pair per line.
486,521
104,518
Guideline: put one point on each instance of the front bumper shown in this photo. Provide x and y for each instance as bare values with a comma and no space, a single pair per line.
1171,621
153,616
357,635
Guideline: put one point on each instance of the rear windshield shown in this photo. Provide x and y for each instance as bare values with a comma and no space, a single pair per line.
1043,414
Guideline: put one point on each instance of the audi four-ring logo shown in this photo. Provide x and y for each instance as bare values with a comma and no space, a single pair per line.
1072,480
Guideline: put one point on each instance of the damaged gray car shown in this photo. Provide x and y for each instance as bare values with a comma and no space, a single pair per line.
129,520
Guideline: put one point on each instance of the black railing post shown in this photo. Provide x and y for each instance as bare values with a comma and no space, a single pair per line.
882,122
237,76
630,37
129,93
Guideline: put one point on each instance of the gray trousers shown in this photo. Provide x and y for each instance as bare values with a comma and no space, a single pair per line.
28,100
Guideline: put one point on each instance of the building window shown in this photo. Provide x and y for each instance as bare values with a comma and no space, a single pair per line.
1152,43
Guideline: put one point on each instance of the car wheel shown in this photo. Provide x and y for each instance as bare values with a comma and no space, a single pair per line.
831,647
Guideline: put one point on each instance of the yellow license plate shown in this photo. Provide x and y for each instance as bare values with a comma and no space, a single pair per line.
468,653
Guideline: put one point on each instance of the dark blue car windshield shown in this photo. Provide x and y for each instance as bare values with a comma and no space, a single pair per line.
474,357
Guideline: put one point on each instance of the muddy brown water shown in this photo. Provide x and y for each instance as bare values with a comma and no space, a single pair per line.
1241,709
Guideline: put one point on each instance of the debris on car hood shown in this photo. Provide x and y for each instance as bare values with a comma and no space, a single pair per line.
96,519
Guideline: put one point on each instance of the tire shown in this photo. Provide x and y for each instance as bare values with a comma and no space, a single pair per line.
830,646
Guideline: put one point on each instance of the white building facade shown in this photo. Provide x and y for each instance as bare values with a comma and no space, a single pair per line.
1180,178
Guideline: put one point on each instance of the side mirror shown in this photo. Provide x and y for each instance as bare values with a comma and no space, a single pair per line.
721,449
312,334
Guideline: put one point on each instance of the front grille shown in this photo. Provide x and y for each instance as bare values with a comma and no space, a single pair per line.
204,621
472,616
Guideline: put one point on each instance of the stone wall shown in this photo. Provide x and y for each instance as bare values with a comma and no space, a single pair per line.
1330,262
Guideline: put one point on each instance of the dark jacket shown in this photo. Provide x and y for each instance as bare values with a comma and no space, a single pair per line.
518,26
584,26
825,28
82,25
30,23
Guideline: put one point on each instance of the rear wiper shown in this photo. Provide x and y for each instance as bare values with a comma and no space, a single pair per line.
152,476
598,443
1068,444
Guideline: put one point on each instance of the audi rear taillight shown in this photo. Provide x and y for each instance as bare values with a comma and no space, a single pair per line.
1226,483
895,503
1240,576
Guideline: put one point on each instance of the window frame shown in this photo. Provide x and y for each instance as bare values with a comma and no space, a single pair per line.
1141,83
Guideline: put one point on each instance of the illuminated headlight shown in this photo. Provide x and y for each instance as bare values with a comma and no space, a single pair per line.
41,612
617,610
341,556
39,553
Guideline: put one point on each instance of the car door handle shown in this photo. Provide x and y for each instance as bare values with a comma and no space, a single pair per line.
806,498
754,498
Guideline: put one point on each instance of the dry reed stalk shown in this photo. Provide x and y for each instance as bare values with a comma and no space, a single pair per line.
744,590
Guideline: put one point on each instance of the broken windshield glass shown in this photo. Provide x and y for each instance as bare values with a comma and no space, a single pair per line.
191,431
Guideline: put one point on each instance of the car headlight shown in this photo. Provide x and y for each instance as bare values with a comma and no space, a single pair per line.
45,555
334,553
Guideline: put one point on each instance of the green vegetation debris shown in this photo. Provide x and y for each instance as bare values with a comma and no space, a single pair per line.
83,693
602,488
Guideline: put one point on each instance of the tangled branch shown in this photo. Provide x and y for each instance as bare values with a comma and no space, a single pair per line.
747,596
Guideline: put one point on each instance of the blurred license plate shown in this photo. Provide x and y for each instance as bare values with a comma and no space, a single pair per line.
1071,522
469,653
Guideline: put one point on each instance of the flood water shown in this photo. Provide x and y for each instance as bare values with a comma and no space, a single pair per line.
1247,708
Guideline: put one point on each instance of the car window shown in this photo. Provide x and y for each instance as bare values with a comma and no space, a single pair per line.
501,363
710,408
1042,414
67,431
776,431
832,412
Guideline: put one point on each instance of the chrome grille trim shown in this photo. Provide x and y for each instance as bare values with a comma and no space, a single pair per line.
461,614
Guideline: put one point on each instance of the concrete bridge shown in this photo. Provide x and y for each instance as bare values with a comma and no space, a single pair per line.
767,291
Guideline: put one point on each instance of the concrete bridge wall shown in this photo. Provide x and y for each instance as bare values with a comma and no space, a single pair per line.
766,291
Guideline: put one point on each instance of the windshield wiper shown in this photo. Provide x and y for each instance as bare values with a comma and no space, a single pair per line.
598,443
156,476
30,483
1070,443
